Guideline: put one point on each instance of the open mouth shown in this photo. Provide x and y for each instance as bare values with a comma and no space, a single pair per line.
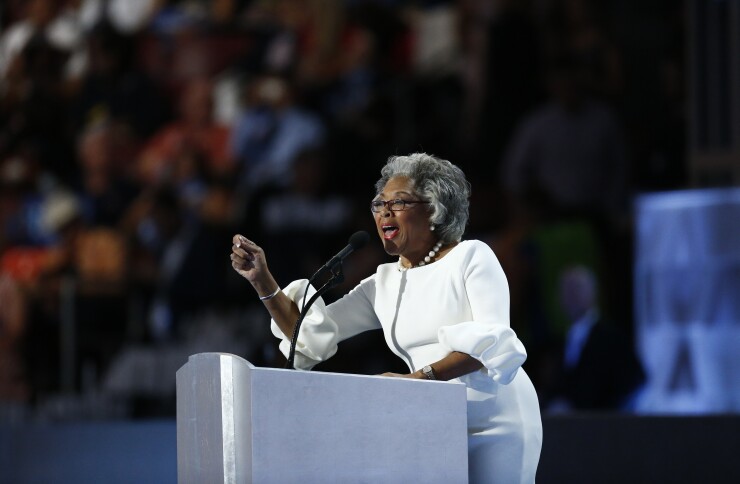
389,231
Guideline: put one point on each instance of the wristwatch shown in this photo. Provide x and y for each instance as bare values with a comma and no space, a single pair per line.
428,372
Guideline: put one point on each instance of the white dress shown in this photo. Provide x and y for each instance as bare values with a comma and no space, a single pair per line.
459,303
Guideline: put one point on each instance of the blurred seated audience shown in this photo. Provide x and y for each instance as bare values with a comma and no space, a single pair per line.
76,285
87,90
597,368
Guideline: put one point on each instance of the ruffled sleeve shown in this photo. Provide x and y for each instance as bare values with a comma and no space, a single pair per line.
325,326
496,346
488,336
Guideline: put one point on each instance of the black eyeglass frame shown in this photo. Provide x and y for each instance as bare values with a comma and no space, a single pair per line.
377,206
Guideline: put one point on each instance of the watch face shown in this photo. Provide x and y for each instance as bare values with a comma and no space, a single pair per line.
427,370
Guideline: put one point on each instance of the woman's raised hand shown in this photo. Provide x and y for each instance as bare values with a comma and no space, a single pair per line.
248,260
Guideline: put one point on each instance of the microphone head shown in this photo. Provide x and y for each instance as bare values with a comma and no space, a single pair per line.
359,239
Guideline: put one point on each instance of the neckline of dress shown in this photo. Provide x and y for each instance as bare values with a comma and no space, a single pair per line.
417,268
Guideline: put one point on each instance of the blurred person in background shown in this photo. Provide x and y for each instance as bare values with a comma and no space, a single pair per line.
113,89
129,16
597,367
174,261
270,133
85,277
363,92
57,22
61,219
304,220
577,26
511,73
568,157
13,384
23,257
501,83
107,189
194,134
22,181
32,108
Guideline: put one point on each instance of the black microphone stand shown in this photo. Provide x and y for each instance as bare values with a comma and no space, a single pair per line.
337,277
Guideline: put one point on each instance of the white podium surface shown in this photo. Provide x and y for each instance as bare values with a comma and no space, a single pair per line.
237,423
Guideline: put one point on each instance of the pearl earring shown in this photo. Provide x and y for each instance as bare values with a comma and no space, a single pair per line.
431,227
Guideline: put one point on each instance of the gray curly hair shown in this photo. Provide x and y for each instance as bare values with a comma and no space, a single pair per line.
438,182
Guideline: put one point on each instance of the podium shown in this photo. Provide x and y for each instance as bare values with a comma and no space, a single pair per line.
237,423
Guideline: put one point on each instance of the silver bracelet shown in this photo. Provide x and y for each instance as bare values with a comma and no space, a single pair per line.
270,296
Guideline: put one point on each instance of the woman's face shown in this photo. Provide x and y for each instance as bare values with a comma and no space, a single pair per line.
406,232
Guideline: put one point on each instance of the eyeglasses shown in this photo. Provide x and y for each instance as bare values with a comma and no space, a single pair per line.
397,205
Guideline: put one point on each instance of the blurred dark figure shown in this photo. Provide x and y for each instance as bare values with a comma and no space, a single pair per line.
21,201
597,366
36,18
32,107
502,80
13,384
578,27
568,157
305,224
512,71
177,267
114,89
22,260
107,189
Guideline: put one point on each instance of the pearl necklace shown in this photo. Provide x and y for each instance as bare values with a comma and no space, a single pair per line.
427,260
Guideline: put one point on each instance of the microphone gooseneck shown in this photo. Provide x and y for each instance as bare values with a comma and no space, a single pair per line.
357,241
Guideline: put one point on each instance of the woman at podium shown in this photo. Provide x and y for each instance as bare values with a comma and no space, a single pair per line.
443,307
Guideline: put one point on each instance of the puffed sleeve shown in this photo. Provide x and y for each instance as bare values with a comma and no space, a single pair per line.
325,326
488,337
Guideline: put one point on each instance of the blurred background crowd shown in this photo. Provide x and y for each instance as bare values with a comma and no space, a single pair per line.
137,136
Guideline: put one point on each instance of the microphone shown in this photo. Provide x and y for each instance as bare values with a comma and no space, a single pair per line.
357,241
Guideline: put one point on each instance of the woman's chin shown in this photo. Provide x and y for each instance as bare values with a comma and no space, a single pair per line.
390,247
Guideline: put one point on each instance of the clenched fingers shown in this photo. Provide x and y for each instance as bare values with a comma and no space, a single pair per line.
245,254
